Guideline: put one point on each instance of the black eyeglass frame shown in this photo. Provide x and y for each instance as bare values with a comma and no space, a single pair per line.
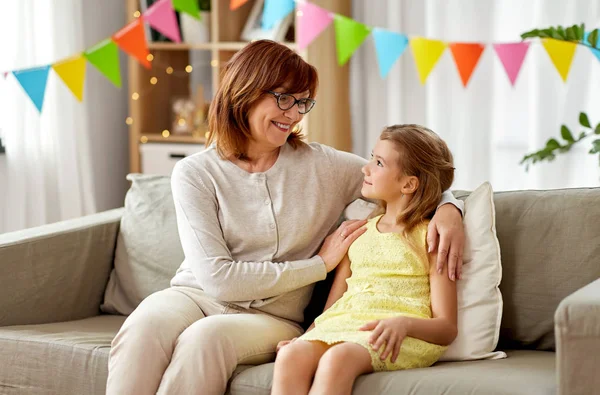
296,101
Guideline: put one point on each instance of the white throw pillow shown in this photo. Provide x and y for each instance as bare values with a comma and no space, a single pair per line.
148,250
479,298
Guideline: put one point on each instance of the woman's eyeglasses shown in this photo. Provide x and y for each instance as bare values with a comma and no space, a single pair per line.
285,101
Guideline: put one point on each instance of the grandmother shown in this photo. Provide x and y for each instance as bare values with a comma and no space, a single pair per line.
257,215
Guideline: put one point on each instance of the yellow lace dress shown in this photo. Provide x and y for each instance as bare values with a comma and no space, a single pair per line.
388,279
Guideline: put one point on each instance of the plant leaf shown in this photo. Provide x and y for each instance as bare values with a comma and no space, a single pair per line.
595,147
553,143
583,120
570,33
565,133
597,131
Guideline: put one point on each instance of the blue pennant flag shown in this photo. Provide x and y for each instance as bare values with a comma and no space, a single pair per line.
389,46
33,82
274,11
594,51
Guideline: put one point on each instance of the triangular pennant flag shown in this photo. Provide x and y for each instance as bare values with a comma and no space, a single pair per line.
161,17
561,53
33,82
512,55
349,35
235,4
190,7
596,52
105,57
427,53
466,56
72,72
389,46
132,40
5,74
274,11
311,21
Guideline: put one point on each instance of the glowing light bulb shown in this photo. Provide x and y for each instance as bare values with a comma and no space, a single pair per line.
169,70
144,139
150,57
214,63
153,80
129,121
166,133
135,96
136,14
189,68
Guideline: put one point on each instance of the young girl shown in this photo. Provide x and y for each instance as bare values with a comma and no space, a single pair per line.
388,307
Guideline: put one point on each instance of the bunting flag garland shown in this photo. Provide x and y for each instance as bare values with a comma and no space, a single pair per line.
161,17
276,10
132,40
105,57
349,35
190,7
235,4
466,56
389,47
561,53
72,73
427,53
512,55
33,82
595,51
310,21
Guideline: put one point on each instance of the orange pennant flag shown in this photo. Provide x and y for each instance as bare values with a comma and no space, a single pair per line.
466,57
132,40
235,4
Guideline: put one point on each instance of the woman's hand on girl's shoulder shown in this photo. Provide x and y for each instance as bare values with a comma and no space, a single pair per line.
448,224
336,244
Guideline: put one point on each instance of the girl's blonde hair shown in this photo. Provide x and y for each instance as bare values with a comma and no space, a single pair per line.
425,155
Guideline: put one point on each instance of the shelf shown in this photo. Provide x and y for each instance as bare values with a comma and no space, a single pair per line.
225,46
158,138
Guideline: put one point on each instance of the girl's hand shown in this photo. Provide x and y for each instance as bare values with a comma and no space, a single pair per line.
391,331
284,343
448,223
336,244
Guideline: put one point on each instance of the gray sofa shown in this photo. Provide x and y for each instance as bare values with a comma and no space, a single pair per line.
55,340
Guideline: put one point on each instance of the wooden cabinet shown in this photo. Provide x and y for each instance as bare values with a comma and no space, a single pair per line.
150,105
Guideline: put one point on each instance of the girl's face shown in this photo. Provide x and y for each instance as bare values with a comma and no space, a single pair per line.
270,126
382,173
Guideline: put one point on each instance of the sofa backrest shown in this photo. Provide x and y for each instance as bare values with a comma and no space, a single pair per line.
550,247
549,241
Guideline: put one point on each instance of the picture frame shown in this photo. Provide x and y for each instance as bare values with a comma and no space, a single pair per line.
253,28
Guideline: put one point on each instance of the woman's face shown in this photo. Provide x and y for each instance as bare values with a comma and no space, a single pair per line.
270,126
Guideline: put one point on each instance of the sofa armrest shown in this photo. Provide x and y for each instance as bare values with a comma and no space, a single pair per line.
577,331
57,272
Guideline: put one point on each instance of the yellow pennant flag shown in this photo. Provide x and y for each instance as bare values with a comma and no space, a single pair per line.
427,53
72,72
561,53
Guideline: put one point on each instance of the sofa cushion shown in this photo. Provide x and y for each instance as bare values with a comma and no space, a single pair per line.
523,372
478,296
550,243
148,250
60,358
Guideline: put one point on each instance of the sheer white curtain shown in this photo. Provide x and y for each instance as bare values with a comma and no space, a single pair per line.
46,174
489,125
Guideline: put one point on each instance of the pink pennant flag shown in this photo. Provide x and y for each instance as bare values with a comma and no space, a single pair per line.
5,74
161,17
311,21
512,55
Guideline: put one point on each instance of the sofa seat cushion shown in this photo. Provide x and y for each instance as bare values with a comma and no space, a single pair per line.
523,372
59,358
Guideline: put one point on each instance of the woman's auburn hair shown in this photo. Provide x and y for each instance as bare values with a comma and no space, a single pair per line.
425,155
260,66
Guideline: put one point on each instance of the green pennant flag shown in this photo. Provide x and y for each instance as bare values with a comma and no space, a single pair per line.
349,35
105,57
188,6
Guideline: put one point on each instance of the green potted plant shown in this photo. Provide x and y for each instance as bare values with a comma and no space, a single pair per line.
575,34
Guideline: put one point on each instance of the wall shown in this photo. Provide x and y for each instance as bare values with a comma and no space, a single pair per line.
107,108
